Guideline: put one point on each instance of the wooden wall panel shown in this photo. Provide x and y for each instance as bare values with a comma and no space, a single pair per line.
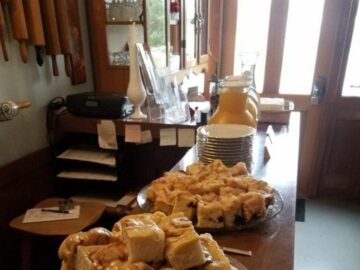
22,184
341,169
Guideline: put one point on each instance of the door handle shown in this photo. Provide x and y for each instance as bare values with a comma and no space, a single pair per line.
318,91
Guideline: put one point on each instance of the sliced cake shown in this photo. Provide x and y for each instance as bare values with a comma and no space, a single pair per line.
184,251
217,259
209,215
185,203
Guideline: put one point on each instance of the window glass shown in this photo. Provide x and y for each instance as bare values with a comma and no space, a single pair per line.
351,86
301,44
157,31
252,34
190,56
117,38
203,27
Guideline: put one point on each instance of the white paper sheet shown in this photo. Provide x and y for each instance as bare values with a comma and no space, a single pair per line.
90,154
186,137
89,174
38,215
167,136
146,136
133,133
107,134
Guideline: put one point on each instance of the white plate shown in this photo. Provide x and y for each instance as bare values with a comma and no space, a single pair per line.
226,131
235,264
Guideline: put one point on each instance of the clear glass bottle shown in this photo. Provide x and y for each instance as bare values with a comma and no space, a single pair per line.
248,65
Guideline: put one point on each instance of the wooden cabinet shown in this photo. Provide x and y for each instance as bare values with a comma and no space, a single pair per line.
185,42
130,167
109,22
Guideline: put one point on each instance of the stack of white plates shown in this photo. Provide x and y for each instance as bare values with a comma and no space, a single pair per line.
230,143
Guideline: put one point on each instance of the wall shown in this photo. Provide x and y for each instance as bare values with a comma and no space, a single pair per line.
19,81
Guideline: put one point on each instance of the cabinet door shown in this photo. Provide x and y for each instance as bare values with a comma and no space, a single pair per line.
109,22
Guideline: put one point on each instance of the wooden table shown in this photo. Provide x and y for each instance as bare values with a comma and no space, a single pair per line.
272,243
90,212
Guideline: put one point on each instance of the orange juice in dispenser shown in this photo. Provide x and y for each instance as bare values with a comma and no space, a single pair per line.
235,105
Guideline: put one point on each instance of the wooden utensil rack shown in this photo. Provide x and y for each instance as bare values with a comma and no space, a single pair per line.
44,24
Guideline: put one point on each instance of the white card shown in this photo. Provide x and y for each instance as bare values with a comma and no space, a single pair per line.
133,133
146,136
107,134
46,214
267,149
167,136
186,137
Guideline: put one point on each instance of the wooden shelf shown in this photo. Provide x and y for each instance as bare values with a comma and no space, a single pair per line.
70,123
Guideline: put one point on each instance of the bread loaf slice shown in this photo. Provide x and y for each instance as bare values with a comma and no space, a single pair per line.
144,238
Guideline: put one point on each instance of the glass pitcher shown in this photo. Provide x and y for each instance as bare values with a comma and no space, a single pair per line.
234,107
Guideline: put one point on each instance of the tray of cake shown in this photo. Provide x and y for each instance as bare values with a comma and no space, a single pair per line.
213,196
145,242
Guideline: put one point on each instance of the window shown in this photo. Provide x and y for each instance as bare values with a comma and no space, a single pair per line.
252,35
301,43
351,87
286,34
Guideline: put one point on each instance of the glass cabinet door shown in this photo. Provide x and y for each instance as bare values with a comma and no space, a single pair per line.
119,15
123,10
203,30
157,31
190,37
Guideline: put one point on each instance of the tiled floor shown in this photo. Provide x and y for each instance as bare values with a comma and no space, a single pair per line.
329,239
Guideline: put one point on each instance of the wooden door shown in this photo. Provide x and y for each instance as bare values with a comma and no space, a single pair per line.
321,136
337,168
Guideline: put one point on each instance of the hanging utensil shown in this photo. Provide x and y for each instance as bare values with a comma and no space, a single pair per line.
2,34
18,25
64,33
52,44
35,27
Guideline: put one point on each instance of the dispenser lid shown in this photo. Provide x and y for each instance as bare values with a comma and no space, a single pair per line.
242,81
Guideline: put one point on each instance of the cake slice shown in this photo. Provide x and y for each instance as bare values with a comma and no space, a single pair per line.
185,203
209,215
144,238
253,206
217,259
232,208
184,251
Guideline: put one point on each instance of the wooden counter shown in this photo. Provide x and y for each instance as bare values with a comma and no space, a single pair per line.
272,243
71,123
